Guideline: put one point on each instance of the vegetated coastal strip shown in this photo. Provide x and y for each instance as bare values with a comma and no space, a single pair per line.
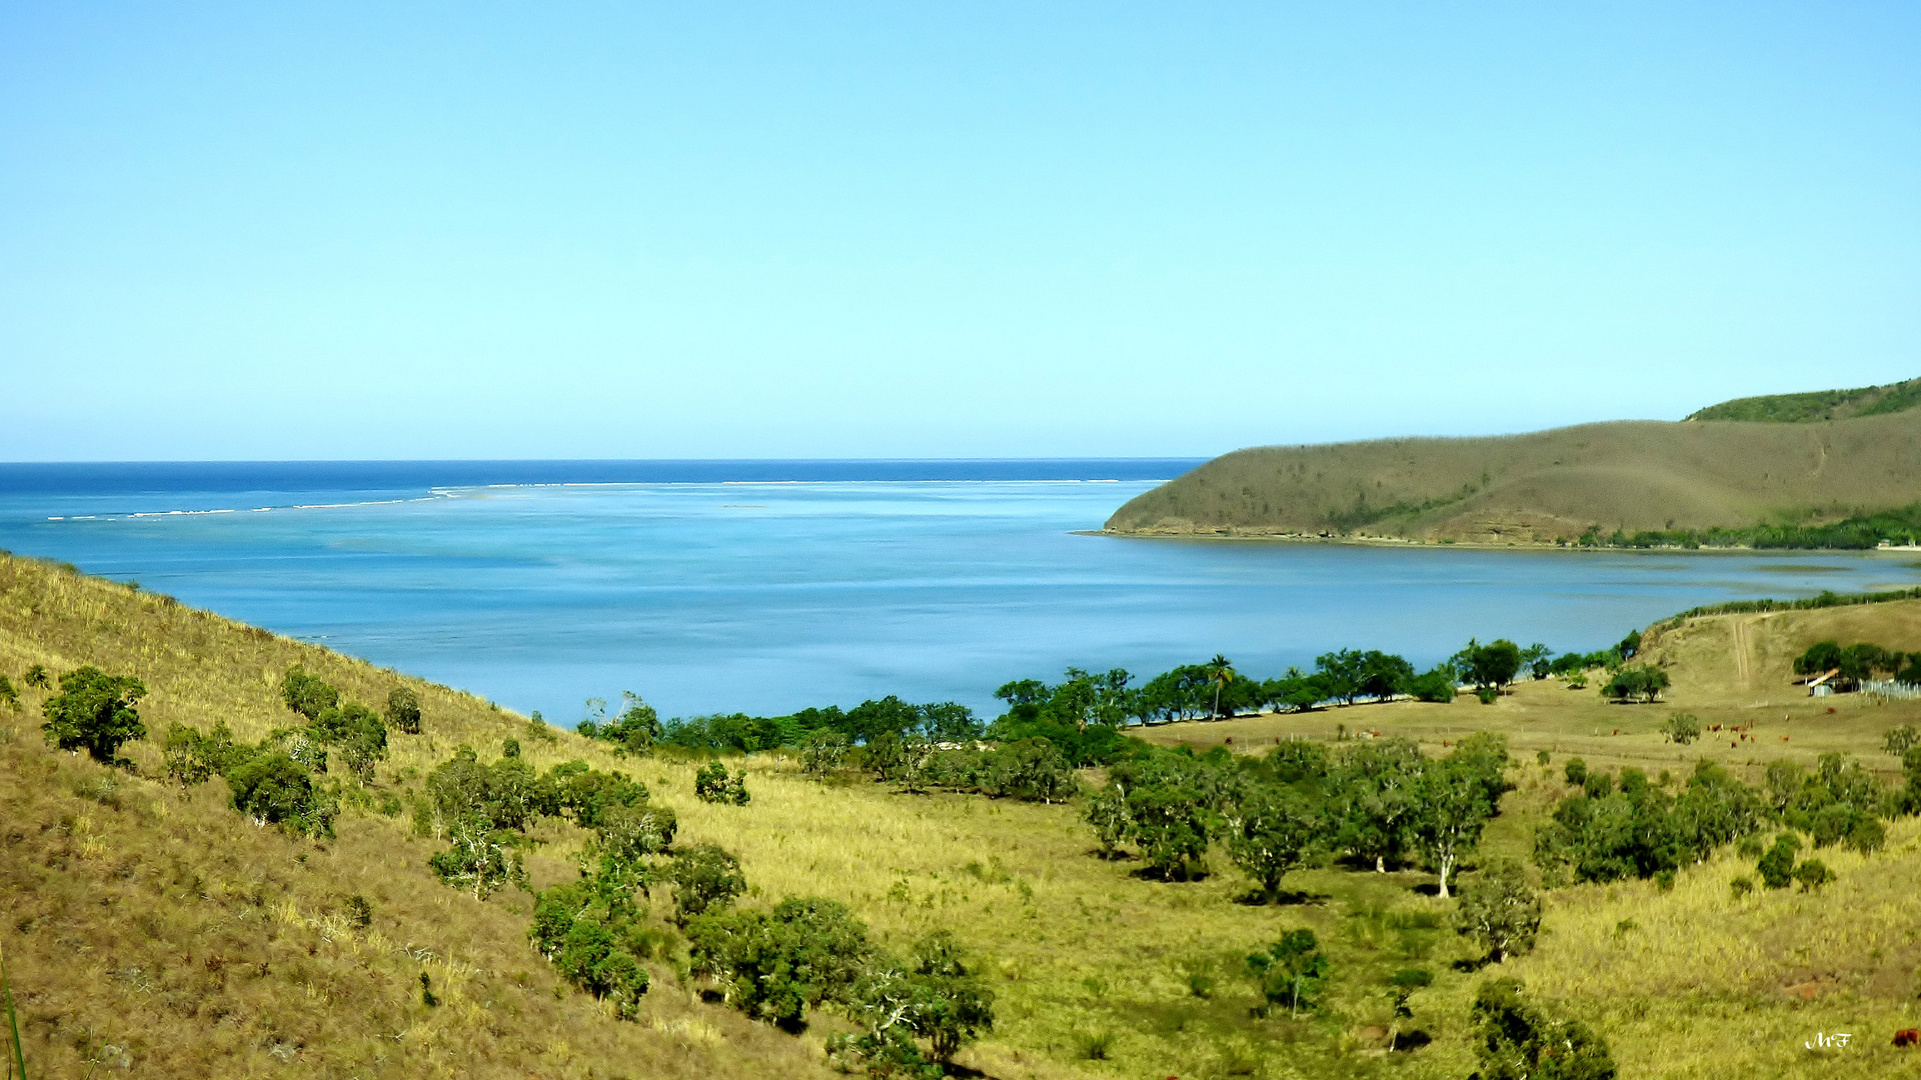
224,853
1835,470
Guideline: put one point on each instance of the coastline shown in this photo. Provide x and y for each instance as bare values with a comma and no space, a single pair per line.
1246,536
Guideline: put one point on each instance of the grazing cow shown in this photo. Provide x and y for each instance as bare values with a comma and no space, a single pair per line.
1907,1037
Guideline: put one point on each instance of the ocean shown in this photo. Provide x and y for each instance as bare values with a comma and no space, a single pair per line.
768,586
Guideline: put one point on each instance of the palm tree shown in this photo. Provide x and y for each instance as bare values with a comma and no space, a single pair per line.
1220,672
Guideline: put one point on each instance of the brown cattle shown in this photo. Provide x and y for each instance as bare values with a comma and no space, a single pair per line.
1907,1037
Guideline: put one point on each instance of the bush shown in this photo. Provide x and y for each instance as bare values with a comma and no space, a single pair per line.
1741,887
1291,970
807,952
1777,866
403,710
94,711
307,694
712,784
1514,1041
824,752
706,880
1500,910
1813,874
1682,728
1488,695
477,857
1576,772
1435,686
273,788
592,933
9,695
634,731
1899,740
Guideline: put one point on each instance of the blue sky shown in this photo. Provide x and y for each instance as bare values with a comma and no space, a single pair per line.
900,230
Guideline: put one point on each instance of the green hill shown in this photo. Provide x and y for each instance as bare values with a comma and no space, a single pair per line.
1818,405
1846,482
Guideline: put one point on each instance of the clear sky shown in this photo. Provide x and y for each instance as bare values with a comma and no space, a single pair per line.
936,230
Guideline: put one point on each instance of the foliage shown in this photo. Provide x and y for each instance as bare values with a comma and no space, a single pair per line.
1682,728
1641,831
8,694
1636,682
775,966
274,789
712,784
94,711
1812,874
1374,799
633,732
403,710
1900,739
307,694
1452,800
1491,666
1291,970
1170,823
933,995
1269,832
478,857
1777,866
1500,910
707,880
1515,1041
592,932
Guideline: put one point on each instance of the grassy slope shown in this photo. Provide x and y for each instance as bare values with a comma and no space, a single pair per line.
204,946
1817,405
1534,488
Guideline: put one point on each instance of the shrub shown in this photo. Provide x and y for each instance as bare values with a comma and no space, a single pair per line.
1500,910
94,711
634,731
1541,758
1435,686
1682,728
308,695
712,784
273,788
595,937
403,710
1576,772
808,951
933,995
1514,1041
1867,835
1741,887
824,752
1898,740
1777,866
1812,874
8,694
1290,970
477,858
706,880
1488,695
36,677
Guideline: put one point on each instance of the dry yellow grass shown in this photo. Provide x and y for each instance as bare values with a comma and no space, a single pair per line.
112,915
1534,488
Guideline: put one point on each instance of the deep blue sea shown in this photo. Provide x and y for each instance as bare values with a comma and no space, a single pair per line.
767,586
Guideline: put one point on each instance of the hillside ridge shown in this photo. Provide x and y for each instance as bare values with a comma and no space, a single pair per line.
1695,482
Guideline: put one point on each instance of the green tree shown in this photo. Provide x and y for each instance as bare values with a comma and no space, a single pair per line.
1270,832
707,880
712,784
1171,825
1375,800
808,951
1514,1041
479,857
403,710
1500,910
933,995
1682,728
273,789
1636,682
308,695
1491,666
1221,674
1777,865
94,711
1291,970
1451,807
1107,813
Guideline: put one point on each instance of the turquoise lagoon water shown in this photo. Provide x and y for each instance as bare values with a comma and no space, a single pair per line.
769,586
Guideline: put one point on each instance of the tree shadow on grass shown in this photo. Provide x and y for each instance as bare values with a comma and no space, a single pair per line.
1283,898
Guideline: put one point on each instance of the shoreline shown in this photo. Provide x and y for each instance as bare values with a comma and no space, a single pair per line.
1222,535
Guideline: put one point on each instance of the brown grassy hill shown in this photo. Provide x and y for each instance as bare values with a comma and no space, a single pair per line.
169,936
1547,486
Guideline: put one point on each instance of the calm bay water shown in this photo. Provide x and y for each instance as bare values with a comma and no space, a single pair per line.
769,586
